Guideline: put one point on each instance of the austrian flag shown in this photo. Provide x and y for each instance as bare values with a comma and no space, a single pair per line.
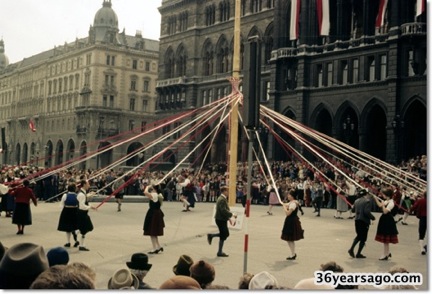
32,125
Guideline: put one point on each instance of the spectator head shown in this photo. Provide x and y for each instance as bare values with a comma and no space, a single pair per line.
63,277
396,270
180,282
71,188
331,266
263,280
57,255
203,272
183,265
139,261
362,192
244,280
388,193
82,267
123,278
21,264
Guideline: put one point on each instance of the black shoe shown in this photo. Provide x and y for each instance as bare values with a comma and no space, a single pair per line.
209,239
67,245
82,248
222,254
360,256
384,258
389,255
292,257
404,223
423,253
154,251
76,244
318,215
351,253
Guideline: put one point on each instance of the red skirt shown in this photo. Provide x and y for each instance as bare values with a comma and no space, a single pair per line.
387,239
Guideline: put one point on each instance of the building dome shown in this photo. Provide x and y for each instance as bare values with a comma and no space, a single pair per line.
106,17
105,25
4,61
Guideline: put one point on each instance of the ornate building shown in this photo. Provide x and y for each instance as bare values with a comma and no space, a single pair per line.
91,90
357,72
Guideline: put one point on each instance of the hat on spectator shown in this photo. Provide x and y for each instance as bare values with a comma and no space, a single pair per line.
57,255
263,280
180,282
21,264
183,265
203,272
123,278
139,261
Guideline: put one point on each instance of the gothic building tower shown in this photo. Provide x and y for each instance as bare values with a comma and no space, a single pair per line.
354,70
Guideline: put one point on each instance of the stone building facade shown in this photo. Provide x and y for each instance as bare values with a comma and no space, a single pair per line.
363,82
100,88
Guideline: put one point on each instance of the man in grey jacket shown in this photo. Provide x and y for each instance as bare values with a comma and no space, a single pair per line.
223,214
363,217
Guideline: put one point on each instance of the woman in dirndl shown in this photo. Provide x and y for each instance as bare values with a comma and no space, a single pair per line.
292,230
386,230
68,216
154,220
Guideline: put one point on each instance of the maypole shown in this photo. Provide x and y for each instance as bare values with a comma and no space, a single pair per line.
234,111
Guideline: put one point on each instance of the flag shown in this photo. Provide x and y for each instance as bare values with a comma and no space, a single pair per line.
379,22
323,17
32,125
294,21
420,7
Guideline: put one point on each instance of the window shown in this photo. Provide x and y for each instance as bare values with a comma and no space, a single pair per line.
105,101
131,125
134,64
329,74
177,125
371,65
111,102
88,59
219,93
108,60
143,126
204,98
133,85
411,63
210,15
267,91
355,77
132,104
147,66
144,105
383,67
146,86
319,82
344,71
210,96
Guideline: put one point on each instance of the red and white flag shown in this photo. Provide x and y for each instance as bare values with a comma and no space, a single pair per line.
323,14
294,21
32,125
379,22
420,7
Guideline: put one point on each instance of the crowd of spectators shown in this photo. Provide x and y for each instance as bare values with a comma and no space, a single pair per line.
28,266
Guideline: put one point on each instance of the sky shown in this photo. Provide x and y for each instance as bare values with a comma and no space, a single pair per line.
28,27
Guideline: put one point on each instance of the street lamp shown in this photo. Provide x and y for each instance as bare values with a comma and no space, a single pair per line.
348,127
398,124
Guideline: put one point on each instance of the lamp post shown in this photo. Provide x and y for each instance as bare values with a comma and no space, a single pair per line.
348,127
397,124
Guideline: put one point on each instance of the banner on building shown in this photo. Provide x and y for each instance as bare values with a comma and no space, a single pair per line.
323,14
379,22
420,7
32,125
294,21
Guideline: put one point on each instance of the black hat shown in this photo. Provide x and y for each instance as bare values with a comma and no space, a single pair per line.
139,261
363,192
183,265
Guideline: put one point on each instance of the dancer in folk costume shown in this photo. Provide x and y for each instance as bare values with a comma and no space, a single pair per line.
292,230
386,230
68,216
84,222
420,209
154,220
22,214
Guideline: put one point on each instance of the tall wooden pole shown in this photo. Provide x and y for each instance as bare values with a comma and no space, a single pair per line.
234,114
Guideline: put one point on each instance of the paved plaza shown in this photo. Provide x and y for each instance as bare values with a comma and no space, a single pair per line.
117,235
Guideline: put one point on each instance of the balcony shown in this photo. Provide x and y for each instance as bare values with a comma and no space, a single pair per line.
80,131
414,28
107,132
171,82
